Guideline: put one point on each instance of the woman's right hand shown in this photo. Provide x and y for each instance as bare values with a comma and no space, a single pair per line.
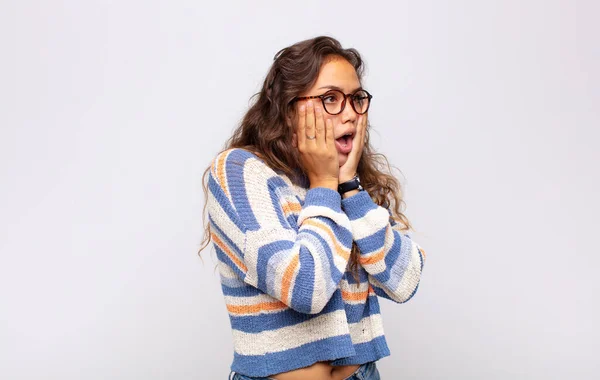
319,155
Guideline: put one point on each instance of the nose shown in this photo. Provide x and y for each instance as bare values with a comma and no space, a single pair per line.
348,114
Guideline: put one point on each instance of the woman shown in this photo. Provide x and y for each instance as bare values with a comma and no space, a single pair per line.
307,225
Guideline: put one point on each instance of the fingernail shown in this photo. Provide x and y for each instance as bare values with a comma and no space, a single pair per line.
309,103
302,108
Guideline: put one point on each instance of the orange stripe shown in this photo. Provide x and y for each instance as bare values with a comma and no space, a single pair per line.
221,172
372,259
290,207
340,250
371,290
355,296
251,309
422,253
228,252
287,277
375,257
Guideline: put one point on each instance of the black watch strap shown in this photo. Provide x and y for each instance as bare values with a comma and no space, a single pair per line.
350,185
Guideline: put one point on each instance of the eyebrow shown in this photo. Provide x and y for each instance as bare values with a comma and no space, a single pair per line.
339,89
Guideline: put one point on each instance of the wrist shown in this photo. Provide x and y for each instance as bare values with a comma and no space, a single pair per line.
350,193
345,178
333,185
351,186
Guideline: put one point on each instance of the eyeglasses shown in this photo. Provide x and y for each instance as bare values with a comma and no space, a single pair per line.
334,101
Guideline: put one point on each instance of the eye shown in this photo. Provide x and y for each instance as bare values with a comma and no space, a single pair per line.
330,97
360,98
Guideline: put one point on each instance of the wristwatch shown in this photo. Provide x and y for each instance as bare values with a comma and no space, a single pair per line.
350,185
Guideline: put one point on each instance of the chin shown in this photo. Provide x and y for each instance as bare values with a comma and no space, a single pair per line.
342,158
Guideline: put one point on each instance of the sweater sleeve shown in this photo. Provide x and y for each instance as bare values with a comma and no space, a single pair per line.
393,261
299,264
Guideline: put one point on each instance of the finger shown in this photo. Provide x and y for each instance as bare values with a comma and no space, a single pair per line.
310,120
362,127
301,127
319,126
359,141
329,137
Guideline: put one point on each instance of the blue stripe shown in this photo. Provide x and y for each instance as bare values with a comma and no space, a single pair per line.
366,352
358,205
362,276
234,169
223,236
276,184
381,293
239,291
321,196
284,318
373,242
303,291
223,201
264,255
396,260
221,255
303,356
343,235
292,221
356,312
326,257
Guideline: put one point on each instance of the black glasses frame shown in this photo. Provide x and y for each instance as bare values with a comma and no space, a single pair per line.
369,96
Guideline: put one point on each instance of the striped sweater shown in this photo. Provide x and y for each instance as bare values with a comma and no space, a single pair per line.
283,251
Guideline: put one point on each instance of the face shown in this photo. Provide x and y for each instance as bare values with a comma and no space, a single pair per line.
338,74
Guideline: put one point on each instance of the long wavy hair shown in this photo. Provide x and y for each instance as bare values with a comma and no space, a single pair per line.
266,129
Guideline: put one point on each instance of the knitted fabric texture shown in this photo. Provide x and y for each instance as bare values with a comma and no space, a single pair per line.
283,253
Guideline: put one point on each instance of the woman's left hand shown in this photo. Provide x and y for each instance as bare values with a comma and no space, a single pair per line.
348,170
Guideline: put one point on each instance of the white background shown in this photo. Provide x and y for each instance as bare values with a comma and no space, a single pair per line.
111,110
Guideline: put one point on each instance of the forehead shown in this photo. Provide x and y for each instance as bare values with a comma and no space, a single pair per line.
337,72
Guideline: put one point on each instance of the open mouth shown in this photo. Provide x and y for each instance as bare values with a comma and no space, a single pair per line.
344,143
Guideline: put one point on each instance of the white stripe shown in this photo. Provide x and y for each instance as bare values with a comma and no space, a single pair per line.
313,210
390,237
248,301
412,275
352,288
289,337
256,177
348,287
221,219
258,239
275,273
226,271
229,277
366,329
338,261
320,280
373,221
409,280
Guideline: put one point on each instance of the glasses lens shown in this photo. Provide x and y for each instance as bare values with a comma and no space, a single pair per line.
360,100
333,101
